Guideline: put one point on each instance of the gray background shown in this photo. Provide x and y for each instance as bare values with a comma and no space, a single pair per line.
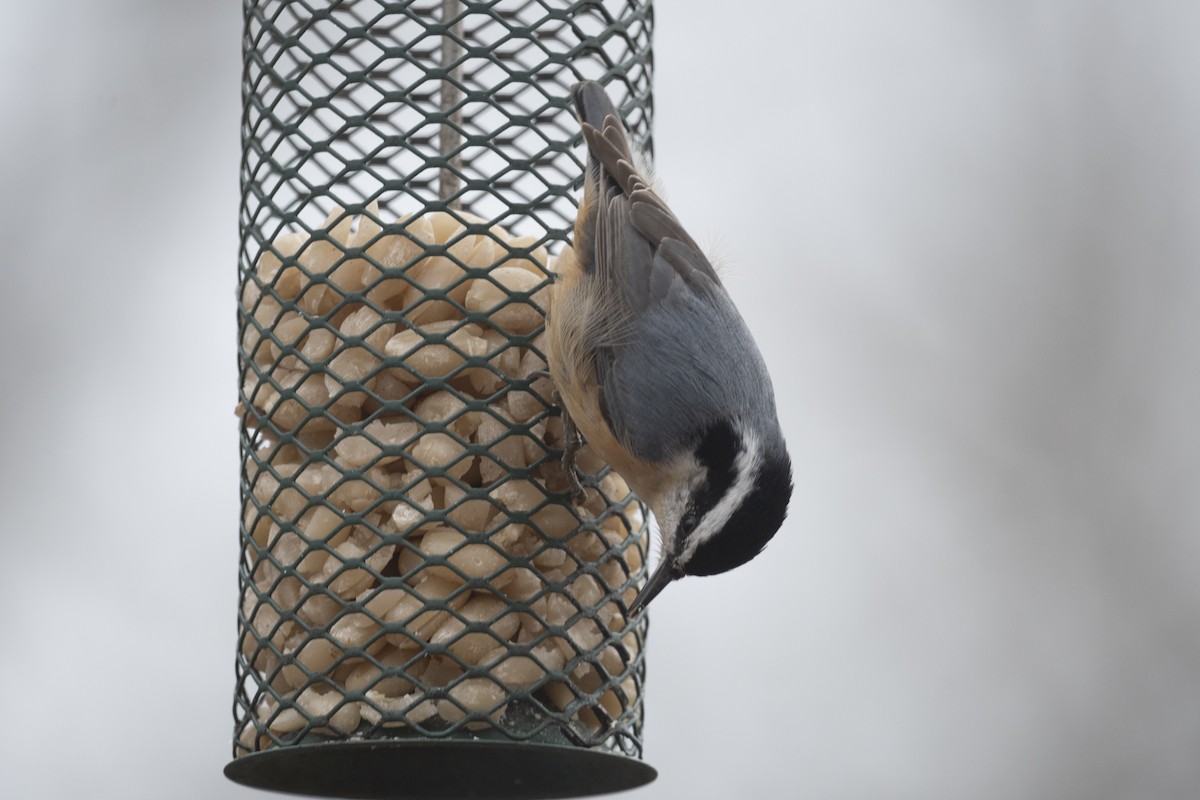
965,234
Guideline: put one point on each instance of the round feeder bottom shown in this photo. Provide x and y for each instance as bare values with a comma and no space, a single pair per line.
439,769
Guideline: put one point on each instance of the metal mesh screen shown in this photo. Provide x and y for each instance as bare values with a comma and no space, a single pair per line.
410,563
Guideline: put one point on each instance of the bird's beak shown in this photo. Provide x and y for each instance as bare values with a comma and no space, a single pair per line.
658,581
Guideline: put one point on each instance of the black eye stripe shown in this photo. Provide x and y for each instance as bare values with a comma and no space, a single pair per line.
717,451
752,523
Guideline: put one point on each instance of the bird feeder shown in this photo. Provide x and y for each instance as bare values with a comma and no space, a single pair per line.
423,611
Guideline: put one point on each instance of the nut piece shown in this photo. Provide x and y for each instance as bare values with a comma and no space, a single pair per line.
489,612
440,450
423,355
472,695
501,297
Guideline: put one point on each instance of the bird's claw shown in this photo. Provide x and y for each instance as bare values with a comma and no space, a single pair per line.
571,446
575,489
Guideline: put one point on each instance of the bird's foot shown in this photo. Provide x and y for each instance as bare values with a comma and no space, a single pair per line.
571,446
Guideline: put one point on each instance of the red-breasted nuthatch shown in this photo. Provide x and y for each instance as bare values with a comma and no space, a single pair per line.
656,368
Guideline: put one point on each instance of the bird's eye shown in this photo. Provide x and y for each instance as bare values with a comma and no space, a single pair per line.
690,521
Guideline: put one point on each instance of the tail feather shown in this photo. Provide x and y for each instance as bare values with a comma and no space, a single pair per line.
613,166
621,204
610,157
593,104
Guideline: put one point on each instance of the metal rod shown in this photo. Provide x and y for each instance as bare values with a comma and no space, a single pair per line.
450,137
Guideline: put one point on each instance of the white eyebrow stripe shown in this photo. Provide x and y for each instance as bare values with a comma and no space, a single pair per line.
746,467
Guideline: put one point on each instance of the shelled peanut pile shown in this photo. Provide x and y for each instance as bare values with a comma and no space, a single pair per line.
363,532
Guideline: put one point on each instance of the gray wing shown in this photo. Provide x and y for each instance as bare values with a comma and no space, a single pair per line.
688,363
683,356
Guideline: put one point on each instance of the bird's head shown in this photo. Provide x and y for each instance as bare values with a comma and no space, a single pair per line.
732,499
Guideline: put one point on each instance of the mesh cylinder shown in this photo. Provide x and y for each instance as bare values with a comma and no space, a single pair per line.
423,612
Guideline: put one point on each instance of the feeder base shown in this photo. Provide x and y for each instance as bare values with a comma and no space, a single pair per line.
433,770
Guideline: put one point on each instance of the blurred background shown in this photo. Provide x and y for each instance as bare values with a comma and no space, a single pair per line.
966,236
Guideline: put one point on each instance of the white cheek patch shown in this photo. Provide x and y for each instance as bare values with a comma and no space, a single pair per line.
672,512
745,469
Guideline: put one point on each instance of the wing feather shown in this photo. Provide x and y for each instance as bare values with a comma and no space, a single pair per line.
661,287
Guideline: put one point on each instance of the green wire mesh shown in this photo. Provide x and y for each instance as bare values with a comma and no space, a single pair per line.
410,564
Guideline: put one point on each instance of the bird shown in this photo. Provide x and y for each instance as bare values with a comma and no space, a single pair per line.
656,369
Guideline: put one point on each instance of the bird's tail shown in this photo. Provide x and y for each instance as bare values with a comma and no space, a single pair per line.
592,104
612,164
